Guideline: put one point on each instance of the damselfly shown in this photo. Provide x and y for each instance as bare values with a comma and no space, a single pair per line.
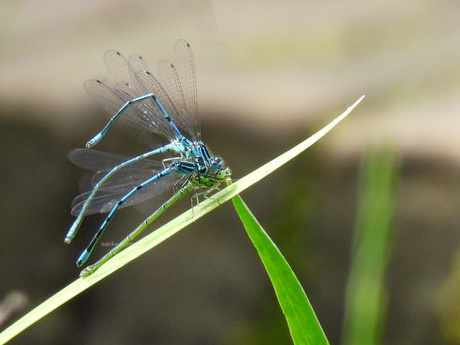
166,105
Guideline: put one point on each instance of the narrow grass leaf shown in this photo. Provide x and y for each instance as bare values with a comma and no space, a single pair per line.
365,292
304,326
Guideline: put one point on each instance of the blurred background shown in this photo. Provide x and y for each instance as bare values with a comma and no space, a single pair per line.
269,74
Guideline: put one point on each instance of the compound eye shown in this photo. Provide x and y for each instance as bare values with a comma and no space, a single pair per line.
216,162
223,173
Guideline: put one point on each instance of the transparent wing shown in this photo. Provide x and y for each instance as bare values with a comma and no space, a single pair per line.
185,66
118,67
175,88
150,84
137,63
121,182
179,81
112,93
99,160
107,197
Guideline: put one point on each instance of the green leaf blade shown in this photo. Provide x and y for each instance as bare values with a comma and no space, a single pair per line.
303,324
365,298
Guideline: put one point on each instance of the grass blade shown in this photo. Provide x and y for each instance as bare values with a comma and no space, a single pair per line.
303,324
365,294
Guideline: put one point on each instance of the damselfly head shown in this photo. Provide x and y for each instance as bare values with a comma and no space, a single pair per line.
223,174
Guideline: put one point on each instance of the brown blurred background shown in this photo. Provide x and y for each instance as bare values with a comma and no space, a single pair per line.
269,73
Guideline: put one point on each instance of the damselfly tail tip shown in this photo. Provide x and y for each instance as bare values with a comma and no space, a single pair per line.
94,141
83,257
86,272
72,231
90,144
